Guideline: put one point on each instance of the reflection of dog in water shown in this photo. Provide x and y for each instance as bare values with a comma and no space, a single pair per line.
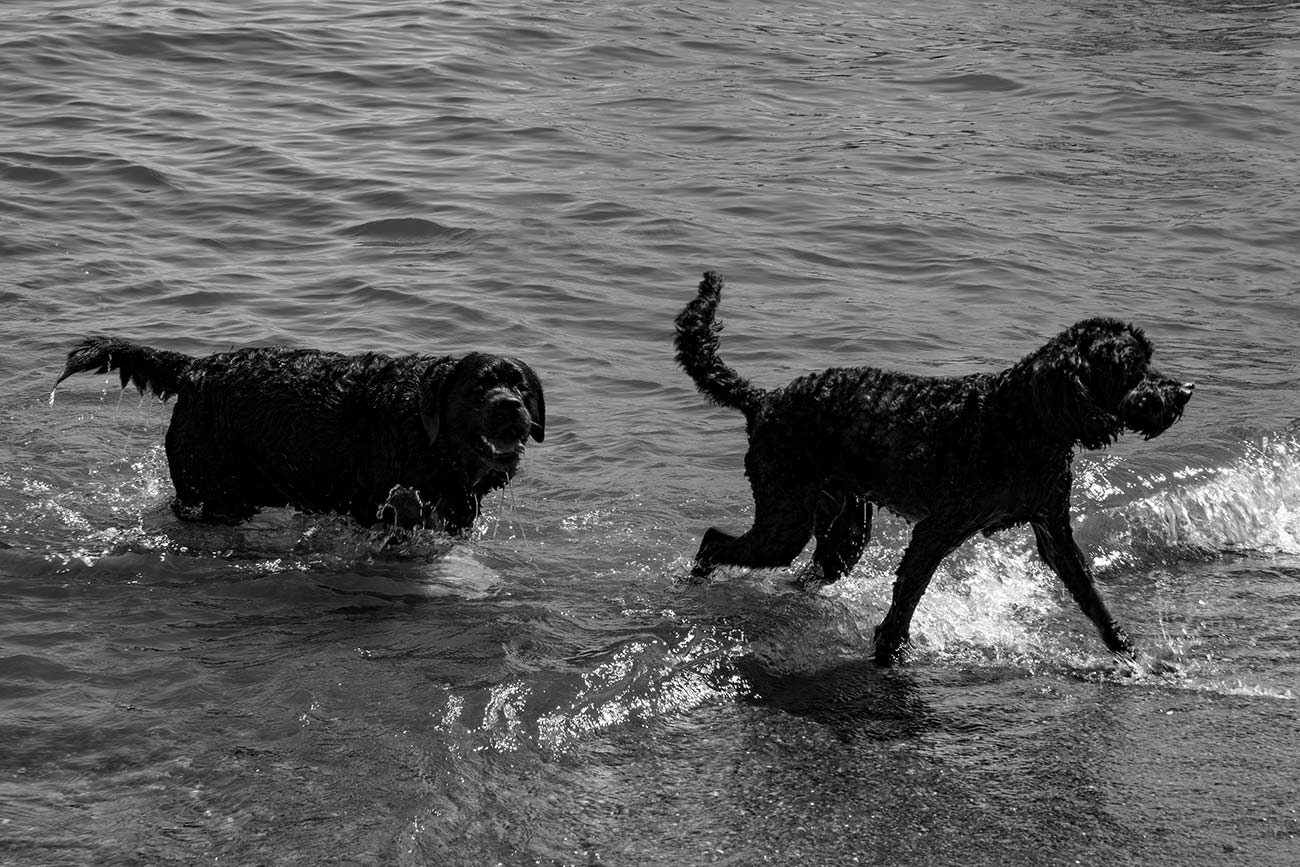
411,440
957,455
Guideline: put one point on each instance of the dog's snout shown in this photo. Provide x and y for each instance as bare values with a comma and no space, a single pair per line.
1185,393
508,412
508,403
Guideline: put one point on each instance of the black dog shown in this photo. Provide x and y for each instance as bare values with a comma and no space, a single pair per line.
325,432
957,455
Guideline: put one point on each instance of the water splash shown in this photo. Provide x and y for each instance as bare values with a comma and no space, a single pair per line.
987,602
638,679
124,508
1252,505
642,680
1174,665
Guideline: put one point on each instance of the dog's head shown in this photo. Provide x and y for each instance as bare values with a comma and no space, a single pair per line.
1095,380
483,410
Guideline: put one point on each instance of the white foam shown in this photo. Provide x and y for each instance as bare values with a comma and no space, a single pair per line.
1251,505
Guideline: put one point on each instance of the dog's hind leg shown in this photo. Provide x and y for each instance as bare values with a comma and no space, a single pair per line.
197,503
200,500
842,526
932,540
1057,547
783,523
203,492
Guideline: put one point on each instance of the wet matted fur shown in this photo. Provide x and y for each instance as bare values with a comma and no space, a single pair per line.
325,432
955,455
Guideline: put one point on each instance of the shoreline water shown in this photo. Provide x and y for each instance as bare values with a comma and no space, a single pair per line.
931,189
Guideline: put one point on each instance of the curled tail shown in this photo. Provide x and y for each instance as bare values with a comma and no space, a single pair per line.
156,370
697,351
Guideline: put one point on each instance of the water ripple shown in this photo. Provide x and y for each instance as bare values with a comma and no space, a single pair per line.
935,188
407,230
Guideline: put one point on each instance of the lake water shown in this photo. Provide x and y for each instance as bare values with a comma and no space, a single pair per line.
932,187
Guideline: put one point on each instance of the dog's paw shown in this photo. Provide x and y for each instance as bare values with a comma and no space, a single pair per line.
700,572
889,648
1162,663
404,508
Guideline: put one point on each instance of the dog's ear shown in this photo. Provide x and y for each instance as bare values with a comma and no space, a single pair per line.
535,402
435,387
431,404
1065,404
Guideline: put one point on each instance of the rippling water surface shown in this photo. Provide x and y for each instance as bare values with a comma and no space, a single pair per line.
934,187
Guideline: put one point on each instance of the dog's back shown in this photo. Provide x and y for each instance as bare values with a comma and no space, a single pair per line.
316,430
272,426
270,375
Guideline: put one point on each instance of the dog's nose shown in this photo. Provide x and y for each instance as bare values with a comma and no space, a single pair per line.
1185,393
510,414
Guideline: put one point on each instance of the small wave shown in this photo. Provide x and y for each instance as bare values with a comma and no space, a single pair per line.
1252,505
971,81
404,231
140,178
638,679
44,169
29,174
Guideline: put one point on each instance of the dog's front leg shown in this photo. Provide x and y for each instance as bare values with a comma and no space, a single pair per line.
713,542
932,540
1057,547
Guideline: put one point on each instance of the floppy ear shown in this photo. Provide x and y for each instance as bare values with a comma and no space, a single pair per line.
435,385
1064,403
535,403
431,405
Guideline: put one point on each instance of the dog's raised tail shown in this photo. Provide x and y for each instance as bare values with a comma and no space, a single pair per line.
149,369
697,351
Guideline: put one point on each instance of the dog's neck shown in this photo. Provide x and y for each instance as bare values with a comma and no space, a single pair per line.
1051,402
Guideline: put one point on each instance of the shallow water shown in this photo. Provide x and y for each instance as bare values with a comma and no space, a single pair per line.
928,187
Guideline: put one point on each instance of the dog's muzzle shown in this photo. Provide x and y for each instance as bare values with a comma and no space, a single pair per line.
506,425
1153,406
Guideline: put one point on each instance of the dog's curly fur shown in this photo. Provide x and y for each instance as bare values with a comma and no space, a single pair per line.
413,440
956,455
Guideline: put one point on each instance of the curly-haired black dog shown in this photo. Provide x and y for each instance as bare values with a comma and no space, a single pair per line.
324,432
956,455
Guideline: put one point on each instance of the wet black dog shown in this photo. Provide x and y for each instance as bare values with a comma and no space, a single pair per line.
957,455
324,432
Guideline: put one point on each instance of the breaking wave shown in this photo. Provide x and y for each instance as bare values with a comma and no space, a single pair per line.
1252,505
